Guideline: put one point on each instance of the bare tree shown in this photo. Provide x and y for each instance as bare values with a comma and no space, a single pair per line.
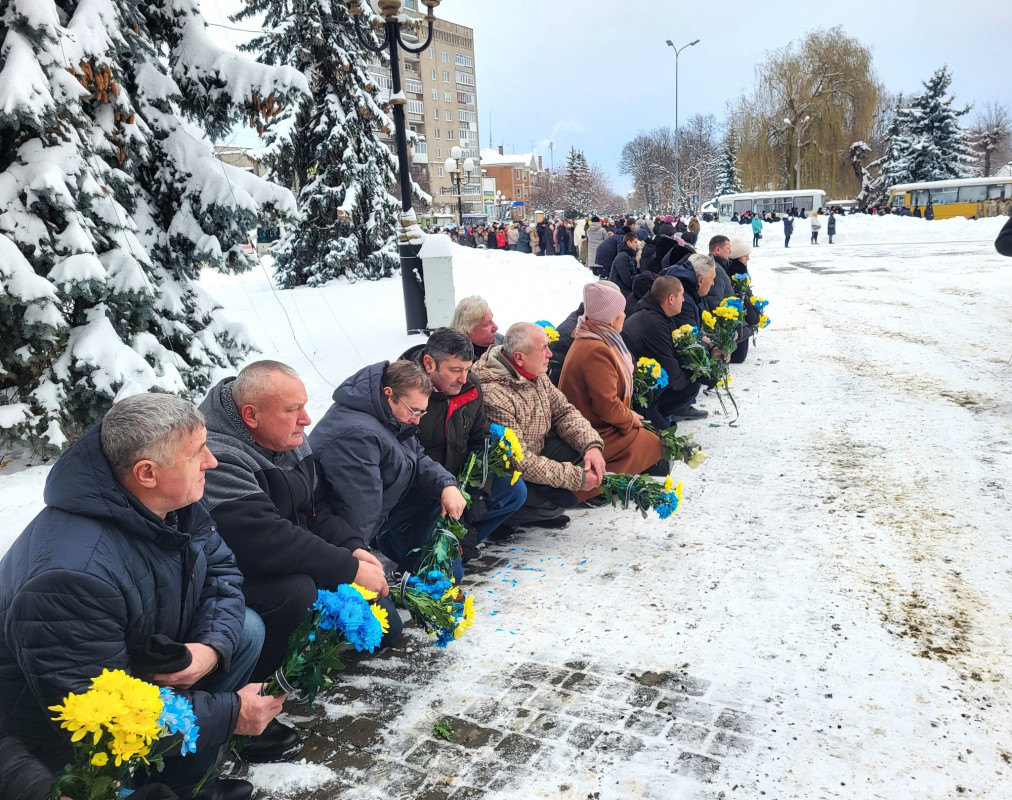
992,136
700,159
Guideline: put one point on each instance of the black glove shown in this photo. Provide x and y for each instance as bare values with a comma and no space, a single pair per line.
154,791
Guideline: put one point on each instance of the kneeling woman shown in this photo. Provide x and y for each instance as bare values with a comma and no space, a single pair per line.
597,378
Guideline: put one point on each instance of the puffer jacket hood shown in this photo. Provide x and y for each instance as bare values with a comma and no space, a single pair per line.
363,392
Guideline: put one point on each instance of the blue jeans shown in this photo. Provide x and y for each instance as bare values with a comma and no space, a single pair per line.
501,504
182,773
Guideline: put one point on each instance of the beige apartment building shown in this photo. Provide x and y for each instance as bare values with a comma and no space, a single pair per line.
442,110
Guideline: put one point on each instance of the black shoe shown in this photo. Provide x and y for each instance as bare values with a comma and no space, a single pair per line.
502,534
598,501
688,413
278,742
226,789
553,524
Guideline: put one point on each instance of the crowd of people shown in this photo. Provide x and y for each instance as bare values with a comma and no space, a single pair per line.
183,544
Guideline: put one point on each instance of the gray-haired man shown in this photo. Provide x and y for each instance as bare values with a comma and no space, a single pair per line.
126,550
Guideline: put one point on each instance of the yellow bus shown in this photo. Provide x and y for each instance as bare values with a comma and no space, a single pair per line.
960,197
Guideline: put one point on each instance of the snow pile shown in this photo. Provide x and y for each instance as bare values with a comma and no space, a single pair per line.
865,229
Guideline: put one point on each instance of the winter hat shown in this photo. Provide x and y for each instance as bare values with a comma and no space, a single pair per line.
740,247
669,218
602,303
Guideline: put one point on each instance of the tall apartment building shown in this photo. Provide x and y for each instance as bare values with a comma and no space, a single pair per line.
442,110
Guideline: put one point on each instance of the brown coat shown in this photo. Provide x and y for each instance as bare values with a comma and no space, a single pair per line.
535,409
533,233
592,383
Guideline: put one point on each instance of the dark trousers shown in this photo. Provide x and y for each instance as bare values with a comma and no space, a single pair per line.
787,240
500,505
283,601
815,237
740,352
755,239
183,773
670,400
548,502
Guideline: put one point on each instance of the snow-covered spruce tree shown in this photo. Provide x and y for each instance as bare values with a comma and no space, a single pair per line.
111,202
728,177
578,197
926,142
328,152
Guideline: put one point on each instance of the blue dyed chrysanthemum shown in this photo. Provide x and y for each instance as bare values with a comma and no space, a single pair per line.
178,717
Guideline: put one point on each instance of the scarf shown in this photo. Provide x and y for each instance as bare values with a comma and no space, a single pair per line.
603,332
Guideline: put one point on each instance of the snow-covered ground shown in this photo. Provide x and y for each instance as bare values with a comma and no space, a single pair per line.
839,568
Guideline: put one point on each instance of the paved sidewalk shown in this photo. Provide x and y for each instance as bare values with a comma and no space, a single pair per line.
589,718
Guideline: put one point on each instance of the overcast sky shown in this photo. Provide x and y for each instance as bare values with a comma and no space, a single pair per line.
592,74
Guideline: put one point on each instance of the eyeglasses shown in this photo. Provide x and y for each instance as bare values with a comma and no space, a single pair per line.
414,414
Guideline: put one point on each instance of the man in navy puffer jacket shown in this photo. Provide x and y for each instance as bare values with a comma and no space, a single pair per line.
124,550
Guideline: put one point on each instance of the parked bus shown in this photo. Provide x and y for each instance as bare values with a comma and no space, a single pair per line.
775,202
960,197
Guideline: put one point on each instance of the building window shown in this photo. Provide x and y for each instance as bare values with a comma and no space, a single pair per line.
439,152
465,97
432,55
432,74
412,4
520,194
465,78
516,174
445,57
447,97
413,85
450,134
463,61
439,171
416,107
383,81
467,116
435,94
446,77
435,114
435,134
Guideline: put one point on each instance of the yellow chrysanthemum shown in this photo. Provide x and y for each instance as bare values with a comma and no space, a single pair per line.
708,319
381,614
86,713
667,484
552,334
100,759
368,594
678,491
467,620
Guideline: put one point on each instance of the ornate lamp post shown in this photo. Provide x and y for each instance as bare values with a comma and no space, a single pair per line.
678,149
797,158
412,279
462,173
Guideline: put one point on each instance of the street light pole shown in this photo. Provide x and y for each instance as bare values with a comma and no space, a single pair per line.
678,151
412,278
461,172
797,155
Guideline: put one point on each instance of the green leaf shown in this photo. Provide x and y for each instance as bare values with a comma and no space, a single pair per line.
442,729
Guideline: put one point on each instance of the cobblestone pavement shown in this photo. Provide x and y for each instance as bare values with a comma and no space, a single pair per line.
579,723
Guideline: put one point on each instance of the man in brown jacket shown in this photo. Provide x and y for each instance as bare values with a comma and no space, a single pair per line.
563,454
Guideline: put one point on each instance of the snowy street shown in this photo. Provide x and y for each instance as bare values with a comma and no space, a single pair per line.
826,616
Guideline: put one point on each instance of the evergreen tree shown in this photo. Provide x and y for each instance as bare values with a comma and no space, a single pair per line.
728,177
111,203
329,153
926,142
578,198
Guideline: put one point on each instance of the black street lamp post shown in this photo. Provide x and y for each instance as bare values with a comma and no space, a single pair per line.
462,172
412,277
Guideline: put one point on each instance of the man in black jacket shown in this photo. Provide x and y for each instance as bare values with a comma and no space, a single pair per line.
456,425
126,550
1003,244
647,334
287,542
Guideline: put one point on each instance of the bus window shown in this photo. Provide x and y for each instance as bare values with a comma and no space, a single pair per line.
803,202
741,206
972,194
942,196
920,197
997,191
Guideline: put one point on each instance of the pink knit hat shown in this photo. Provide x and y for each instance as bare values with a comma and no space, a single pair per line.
602,303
